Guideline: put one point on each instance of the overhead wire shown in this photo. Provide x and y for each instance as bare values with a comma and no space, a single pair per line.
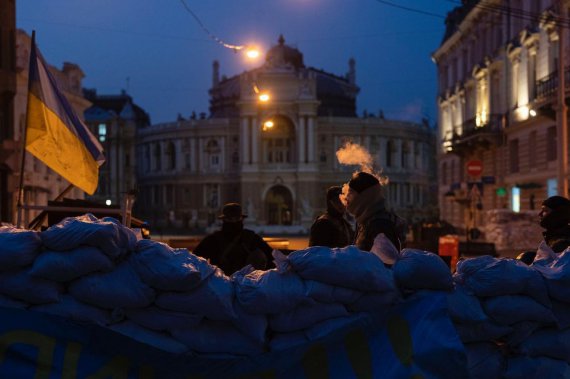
207,31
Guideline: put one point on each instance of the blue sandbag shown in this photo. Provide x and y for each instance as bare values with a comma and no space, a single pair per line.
305,316
550,342
21,285
510,309
160,319
326,293
484,360
18,247
75,310
155,339
521,367
464,307
418,269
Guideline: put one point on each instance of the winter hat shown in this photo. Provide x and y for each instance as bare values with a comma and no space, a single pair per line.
333,193
555,202
361,181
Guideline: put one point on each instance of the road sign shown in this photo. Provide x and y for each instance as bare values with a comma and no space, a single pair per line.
474,167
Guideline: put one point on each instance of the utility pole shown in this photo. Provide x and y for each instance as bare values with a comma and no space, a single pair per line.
562,110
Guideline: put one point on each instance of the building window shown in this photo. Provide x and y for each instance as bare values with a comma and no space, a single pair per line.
389,151
278,141
157,157
213,152
551,187
551,142
323,157
171,156
211,196
187,160
532,149
516,199
102,132
404,154
514,155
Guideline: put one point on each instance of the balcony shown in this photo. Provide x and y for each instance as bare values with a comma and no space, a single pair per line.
474,136
546,89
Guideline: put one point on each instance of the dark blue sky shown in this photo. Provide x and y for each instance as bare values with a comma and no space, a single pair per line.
168,57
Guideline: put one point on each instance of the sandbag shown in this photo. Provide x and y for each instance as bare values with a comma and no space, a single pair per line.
284,341
8,302
510,309
418,269
213,298
326,293
121,288
164,268
561,313
557,276
544,255
18,247
375,302
384,249
550,342
484,331
64,266
158,340
160,319
305,316
21,285
73,232
270,291
75,310
324,328
217,337
520,332
464,307
484,360
345,267
254,326
488,276
536,368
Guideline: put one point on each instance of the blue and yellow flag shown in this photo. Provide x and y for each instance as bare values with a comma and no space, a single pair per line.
54,133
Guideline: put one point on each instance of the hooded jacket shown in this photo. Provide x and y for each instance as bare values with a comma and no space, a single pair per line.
331,229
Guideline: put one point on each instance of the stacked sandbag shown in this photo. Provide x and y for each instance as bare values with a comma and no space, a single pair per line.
315,291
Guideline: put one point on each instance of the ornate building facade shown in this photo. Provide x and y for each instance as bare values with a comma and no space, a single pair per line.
277,157
498,69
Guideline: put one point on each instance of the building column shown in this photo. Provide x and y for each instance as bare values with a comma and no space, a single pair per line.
223,154
398,160
311,140
245,140
194,155
301,139
254,141
201,158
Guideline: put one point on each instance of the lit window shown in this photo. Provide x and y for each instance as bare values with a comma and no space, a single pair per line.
516,199
102,132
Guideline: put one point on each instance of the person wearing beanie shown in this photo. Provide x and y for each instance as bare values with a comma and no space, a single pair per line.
331,229
366,202
555,218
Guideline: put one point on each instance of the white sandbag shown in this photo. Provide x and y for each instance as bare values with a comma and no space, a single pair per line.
75,310
484,361
484,331
284,341
417,269
345,267
536,368
552,343
270,291
254,326
327,327
160,319
64,266
305,316
464,307
488,276
121,288
18,247
73,232
158,340
384,249
326,293
561,313
167,269
21,285
510,309
213,298
375,302
8,302
544,255
217,337
557,276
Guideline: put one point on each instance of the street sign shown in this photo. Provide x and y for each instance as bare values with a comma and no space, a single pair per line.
474,167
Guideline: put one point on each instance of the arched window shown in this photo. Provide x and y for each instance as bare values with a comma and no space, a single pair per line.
278,140
213,153
157,157
170,156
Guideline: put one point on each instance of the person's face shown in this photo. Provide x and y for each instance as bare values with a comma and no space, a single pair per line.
350,196
338,204
544,212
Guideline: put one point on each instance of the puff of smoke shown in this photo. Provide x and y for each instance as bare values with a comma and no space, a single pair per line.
352,154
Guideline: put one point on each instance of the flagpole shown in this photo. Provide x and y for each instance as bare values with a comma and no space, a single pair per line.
23,137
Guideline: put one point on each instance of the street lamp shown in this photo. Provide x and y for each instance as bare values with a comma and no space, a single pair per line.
264,97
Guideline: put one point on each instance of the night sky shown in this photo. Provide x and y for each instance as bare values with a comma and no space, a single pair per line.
159,53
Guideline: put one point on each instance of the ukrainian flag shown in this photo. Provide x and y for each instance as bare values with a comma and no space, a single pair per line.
54,133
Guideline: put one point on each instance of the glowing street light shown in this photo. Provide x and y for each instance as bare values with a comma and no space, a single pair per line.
264,97
268,125
252,52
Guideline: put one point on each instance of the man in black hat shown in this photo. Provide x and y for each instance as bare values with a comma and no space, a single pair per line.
366,202
554,218
331,228
234,247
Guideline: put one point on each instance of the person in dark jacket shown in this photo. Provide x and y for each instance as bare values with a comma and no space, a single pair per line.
234,247
555,218
331,229
366,202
